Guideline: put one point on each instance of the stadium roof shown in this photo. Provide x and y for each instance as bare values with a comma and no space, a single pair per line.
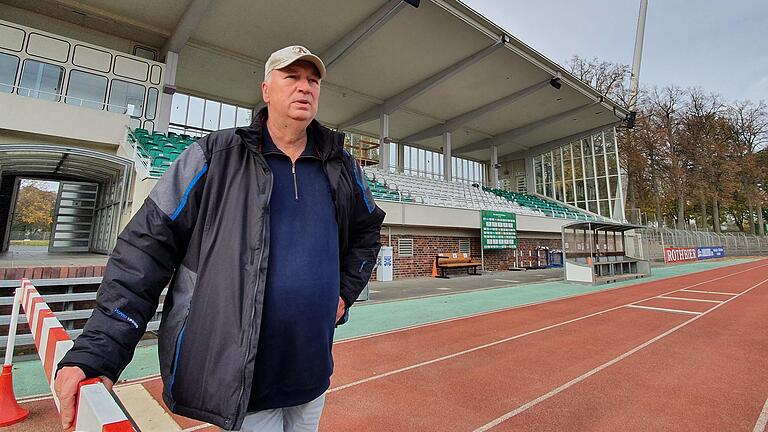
439,67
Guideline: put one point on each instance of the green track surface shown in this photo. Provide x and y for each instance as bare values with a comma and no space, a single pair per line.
366,319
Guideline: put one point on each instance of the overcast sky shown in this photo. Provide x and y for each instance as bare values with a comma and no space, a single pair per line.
719,45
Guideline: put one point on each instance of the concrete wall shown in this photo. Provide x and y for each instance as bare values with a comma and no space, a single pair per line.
63,28
415,215
57,120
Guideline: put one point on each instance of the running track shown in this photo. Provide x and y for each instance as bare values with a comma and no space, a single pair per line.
678,354
693,356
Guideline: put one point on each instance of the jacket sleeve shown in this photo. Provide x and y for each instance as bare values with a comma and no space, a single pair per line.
142,263
364,238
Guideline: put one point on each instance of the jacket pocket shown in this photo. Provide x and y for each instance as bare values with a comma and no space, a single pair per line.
175,364
175,312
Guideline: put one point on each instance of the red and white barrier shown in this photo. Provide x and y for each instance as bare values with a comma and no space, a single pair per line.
97,409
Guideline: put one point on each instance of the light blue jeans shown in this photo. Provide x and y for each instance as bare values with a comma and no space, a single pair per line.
301,418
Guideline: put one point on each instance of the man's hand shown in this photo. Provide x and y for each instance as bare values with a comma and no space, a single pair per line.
66,389
340,309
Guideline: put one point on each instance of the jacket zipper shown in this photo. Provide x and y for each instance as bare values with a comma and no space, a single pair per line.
253,310
295,184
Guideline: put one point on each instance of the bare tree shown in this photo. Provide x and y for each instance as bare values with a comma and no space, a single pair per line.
750,123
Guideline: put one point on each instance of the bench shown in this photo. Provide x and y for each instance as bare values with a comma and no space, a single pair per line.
444,262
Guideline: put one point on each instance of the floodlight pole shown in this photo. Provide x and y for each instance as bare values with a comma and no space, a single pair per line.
635,77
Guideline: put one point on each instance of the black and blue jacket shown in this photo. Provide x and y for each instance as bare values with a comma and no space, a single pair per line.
205,228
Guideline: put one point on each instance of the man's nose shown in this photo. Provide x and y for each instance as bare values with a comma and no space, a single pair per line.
304,86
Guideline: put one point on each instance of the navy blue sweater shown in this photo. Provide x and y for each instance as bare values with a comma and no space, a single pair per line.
293,361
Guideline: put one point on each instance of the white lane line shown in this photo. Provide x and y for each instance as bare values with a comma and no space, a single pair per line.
613,361
690,299
447,320
664,309
762,420
708,292
442,289
198,427
507,280
511,338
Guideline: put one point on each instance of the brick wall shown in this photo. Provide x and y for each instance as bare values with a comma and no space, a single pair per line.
15,273
426,247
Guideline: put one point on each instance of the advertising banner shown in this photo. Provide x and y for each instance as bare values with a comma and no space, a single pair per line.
708,252
673,255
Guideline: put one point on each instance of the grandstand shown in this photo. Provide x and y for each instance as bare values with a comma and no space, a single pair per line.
439,141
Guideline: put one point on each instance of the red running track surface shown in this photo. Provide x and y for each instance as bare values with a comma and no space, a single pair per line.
584,363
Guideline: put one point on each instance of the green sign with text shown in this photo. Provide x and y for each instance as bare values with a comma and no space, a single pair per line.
498,230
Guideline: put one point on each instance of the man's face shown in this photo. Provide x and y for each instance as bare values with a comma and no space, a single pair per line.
293,91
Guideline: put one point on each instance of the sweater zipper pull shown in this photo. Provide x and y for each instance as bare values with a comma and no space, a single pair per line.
295,184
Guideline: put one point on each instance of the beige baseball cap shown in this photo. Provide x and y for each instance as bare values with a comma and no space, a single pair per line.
284,57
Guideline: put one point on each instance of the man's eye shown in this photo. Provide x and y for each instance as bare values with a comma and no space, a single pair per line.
314,81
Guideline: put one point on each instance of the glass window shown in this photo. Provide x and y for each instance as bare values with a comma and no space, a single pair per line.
195,112
145,52
578,168
610,141
244,117
591,190
126,98
151,103
228,115
605,208
179,108
41,80
597,141
600,165
567,152
602,188
211,120
537,169
586,147
569,192
8,66
589,167
612,168
86,89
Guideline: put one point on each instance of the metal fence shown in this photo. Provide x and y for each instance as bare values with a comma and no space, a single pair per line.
652,242
71,300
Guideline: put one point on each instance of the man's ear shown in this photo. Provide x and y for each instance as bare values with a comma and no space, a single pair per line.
265,91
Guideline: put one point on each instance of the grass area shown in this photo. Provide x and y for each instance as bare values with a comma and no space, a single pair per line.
30,242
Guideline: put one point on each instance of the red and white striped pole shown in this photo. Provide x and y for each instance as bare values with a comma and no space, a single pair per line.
96,409
10,410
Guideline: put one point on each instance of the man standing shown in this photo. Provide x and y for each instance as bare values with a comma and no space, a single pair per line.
269,234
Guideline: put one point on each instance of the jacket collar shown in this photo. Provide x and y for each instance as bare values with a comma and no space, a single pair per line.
327,142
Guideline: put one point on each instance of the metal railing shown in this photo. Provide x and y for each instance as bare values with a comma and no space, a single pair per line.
72,307
654,240
119,109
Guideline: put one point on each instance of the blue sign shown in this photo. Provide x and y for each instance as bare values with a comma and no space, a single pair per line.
708,252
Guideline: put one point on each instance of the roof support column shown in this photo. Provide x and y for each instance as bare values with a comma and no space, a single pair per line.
494,167
400,157
447,156
384,142
169,88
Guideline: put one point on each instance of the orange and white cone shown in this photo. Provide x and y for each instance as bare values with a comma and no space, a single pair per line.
10,410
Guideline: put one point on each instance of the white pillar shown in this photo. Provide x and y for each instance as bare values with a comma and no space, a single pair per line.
166,100
447,157
494,170
400,157
384,142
